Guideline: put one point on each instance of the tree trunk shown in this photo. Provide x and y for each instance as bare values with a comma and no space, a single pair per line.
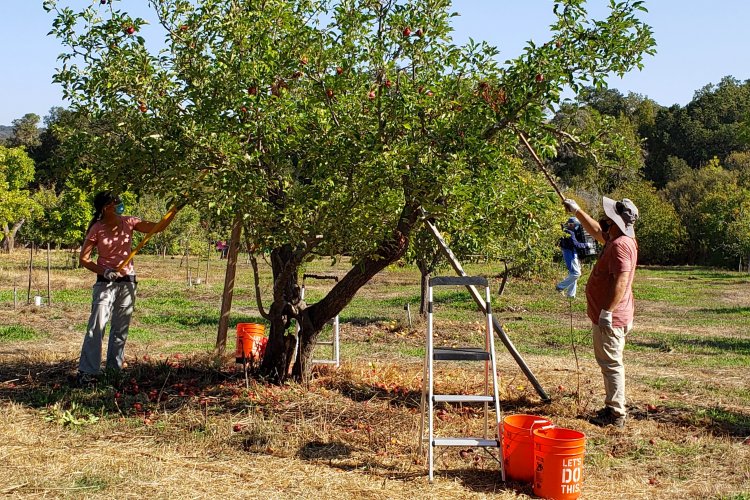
426,269
226,298
9,235
424,273
312,319
279,354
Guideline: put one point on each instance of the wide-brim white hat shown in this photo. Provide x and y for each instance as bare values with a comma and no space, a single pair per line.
624,213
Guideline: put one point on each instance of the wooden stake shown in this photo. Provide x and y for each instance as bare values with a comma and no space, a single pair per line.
49,288
208,259
187,261
31,265
226,298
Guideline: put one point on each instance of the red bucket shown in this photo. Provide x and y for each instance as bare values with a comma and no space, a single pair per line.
251,342
558,455
518,445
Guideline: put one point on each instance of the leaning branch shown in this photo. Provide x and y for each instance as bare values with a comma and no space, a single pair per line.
256,279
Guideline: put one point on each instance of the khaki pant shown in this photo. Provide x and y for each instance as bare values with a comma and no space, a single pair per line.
609,344
112,303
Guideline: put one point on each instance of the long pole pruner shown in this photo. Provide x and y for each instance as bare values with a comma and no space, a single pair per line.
539,162
159,225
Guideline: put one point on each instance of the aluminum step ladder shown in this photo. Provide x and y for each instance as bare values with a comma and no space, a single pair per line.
335,358
450,354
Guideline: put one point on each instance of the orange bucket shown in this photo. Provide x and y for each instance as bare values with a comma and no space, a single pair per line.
251,342
558,459
518,445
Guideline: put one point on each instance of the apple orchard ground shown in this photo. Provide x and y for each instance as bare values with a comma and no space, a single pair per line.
180,423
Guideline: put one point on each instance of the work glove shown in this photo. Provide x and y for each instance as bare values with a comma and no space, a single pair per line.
571,205
111,274
605,319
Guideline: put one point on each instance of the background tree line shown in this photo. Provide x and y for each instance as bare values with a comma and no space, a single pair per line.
45,197
686,167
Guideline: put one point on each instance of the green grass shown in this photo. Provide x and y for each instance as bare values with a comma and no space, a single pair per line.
72,297
142,334
192,347
90,483
13,333
668,384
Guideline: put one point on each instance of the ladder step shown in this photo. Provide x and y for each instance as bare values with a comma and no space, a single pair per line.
325,361
462,398
465,442
324,342
460,354
459,280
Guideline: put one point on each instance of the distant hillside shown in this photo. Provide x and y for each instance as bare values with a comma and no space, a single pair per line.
5,132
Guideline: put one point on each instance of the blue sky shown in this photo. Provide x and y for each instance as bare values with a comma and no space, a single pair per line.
698,43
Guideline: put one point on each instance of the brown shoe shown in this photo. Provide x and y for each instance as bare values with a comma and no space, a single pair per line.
606,417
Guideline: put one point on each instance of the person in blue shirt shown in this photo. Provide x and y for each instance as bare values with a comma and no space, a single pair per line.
570,245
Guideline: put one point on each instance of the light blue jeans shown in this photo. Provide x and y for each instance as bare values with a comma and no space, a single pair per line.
570,283
112,303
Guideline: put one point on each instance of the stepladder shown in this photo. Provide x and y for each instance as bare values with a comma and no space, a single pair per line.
330,337
478,355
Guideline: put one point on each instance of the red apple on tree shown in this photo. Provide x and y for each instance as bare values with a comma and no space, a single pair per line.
130,30
371,95
420,33
339,70
539,77
253,90
406,32
329,93
388,83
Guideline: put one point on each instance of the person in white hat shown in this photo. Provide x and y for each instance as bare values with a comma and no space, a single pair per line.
609,297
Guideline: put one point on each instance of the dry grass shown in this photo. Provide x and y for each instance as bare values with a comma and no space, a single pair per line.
188,425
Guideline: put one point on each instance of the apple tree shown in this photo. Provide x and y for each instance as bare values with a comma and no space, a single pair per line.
16,201
325,126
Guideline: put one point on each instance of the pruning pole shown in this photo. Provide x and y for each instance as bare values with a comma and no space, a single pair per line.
541,165
160,225
157,227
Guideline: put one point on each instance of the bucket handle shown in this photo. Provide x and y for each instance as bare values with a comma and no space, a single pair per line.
531,429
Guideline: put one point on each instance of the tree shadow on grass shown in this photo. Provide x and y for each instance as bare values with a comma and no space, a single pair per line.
363,320
398,396
165,384
694,345
316,450
479,477
712,419
725,310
